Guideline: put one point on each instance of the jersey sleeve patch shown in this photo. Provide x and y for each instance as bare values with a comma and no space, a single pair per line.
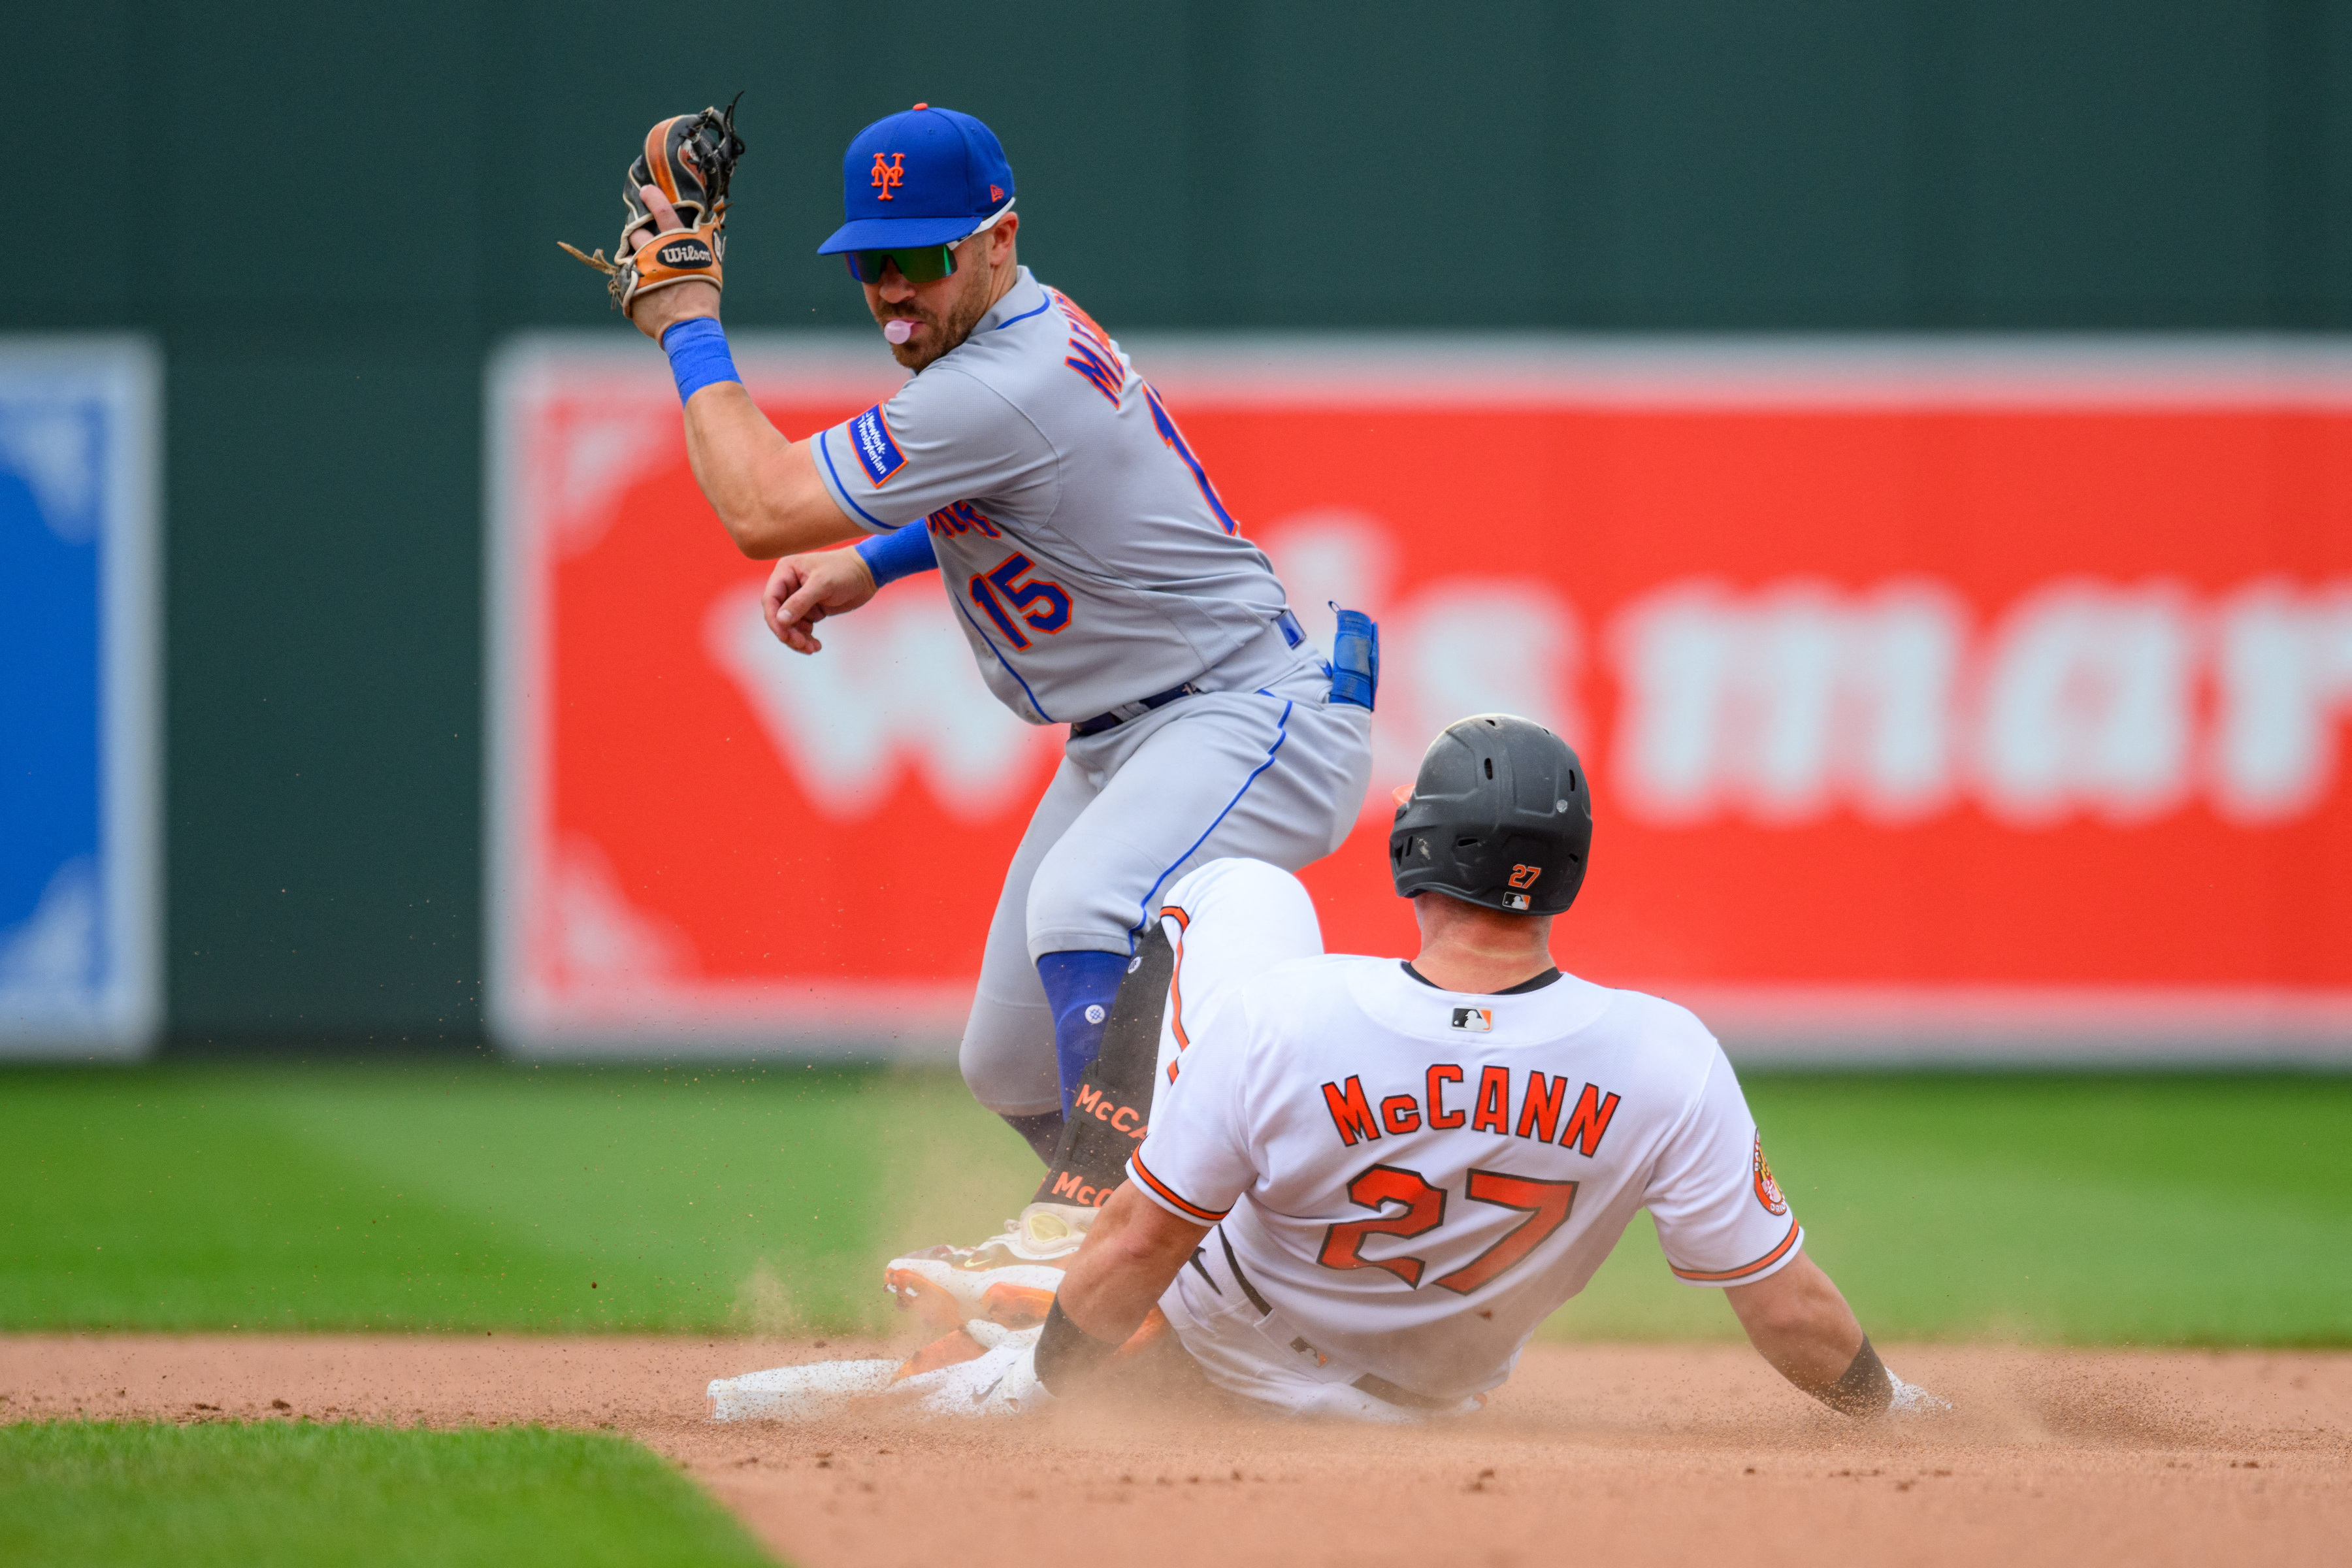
1168,1196
1746,1270
1768,1190
877,449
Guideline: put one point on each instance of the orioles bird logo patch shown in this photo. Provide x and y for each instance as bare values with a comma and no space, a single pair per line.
1768,1190
890,176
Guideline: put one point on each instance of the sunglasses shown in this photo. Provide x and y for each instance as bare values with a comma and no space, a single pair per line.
923,264
917,264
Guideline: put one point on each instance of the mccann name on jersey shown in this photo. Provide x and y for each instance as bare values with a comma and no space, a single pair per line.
1441,1103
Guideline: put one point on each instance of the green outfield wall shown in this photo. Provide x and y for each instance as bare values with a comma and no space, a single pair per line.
327,215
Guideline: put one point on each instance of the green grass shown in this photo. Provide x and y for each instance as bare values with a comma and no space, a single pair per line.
2180,1210
254,1496
481,1196
2140,1210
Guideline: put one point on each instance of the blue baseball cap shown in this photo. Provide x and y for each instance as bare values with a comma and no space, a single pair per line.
923,178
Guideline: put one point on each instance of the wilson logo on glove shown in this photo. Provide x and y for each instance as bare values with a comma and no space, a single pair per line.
686,253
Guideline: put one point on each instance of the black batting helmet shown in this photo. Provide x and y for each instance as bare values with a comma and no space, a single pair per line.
1499,815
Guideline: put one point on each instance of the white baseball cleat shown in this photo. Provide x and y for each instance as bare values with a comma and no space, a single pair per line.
1008,1280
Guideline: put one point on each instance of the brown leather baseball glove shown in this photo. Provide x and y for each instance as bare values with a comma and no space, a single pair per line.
687,159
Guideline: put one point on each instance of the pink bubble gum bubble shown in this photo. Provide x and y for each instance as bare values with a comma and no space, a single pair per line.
899,331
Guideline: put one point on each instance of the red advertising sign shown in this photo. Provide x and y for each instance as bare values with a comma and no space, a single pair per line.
1983,700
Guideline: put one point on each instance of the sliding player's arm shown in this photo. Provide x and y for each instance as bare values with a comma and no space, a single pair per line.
1724,1224
1798,1322
1130,1257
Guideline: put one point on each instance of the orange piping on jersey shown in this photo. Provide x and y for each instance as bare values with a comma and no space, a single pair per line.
1176,985
1745,1270
1207,1216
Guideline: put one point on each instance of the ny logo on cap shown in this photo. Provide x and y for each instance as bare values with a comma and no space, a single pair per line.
890,176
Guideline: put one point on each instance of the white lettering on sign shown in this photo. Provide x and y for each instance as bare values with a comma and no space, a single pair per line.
1782,704
1787,703
894,688
2087,704
2114,702
2282,668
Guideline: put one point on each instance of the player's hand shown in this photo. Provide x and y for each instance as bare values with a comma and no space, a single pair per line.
657,313
805,589
1913,1402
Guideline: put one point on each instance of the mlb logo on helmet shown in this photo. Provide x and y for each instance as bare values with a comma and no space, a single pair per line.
926,176
1480,1020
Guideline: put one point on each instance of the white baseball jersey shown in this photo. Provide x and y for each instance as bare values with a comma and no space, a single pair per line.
1410,1180
1083,548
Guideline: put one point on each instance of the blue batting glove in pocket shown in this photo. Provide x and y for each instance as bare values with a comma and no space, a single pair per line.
1356,659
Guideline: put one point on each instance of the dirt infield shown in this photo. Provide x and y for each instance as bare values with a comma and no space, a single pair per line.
1632,1456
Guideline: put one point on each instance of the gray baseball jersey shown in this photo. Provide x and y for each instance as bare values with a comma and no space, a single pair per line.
1089,555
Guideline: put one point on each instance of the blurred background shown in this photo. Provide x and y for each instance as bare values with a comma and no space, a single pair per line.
325,220
313,231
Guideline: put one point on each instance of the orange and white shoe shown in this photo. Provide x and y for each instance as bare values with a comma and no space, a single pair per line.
1008,1280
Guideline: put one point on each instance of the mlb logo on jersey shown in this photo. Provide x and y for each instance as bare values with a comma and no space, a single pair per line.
1480,1020
877,450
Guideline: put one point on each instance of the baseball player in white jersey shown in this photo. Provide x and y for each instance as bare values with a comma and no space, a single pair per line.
1364,1182
1087,555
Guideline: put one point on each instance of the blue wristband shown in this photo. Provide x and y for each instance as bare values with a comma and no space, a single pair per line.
697,355
901,552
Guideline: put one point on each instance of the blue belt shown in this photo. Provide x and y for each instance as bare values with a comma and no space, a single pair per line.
1292,633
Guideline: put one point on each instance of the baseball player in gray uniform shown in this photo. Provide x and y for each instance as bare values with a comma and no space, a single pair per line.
1097,574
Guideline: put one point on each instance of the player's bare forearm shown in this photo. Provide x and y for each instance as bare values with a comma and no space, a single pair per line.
1799,1321
765,489
1131,1253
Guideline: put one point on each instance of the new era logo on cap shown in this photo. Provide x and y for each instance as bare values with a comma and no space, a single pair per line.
1480,1020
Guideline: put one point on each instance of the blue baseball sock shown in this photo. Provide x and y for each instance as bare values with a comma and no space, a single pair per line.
1079,986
